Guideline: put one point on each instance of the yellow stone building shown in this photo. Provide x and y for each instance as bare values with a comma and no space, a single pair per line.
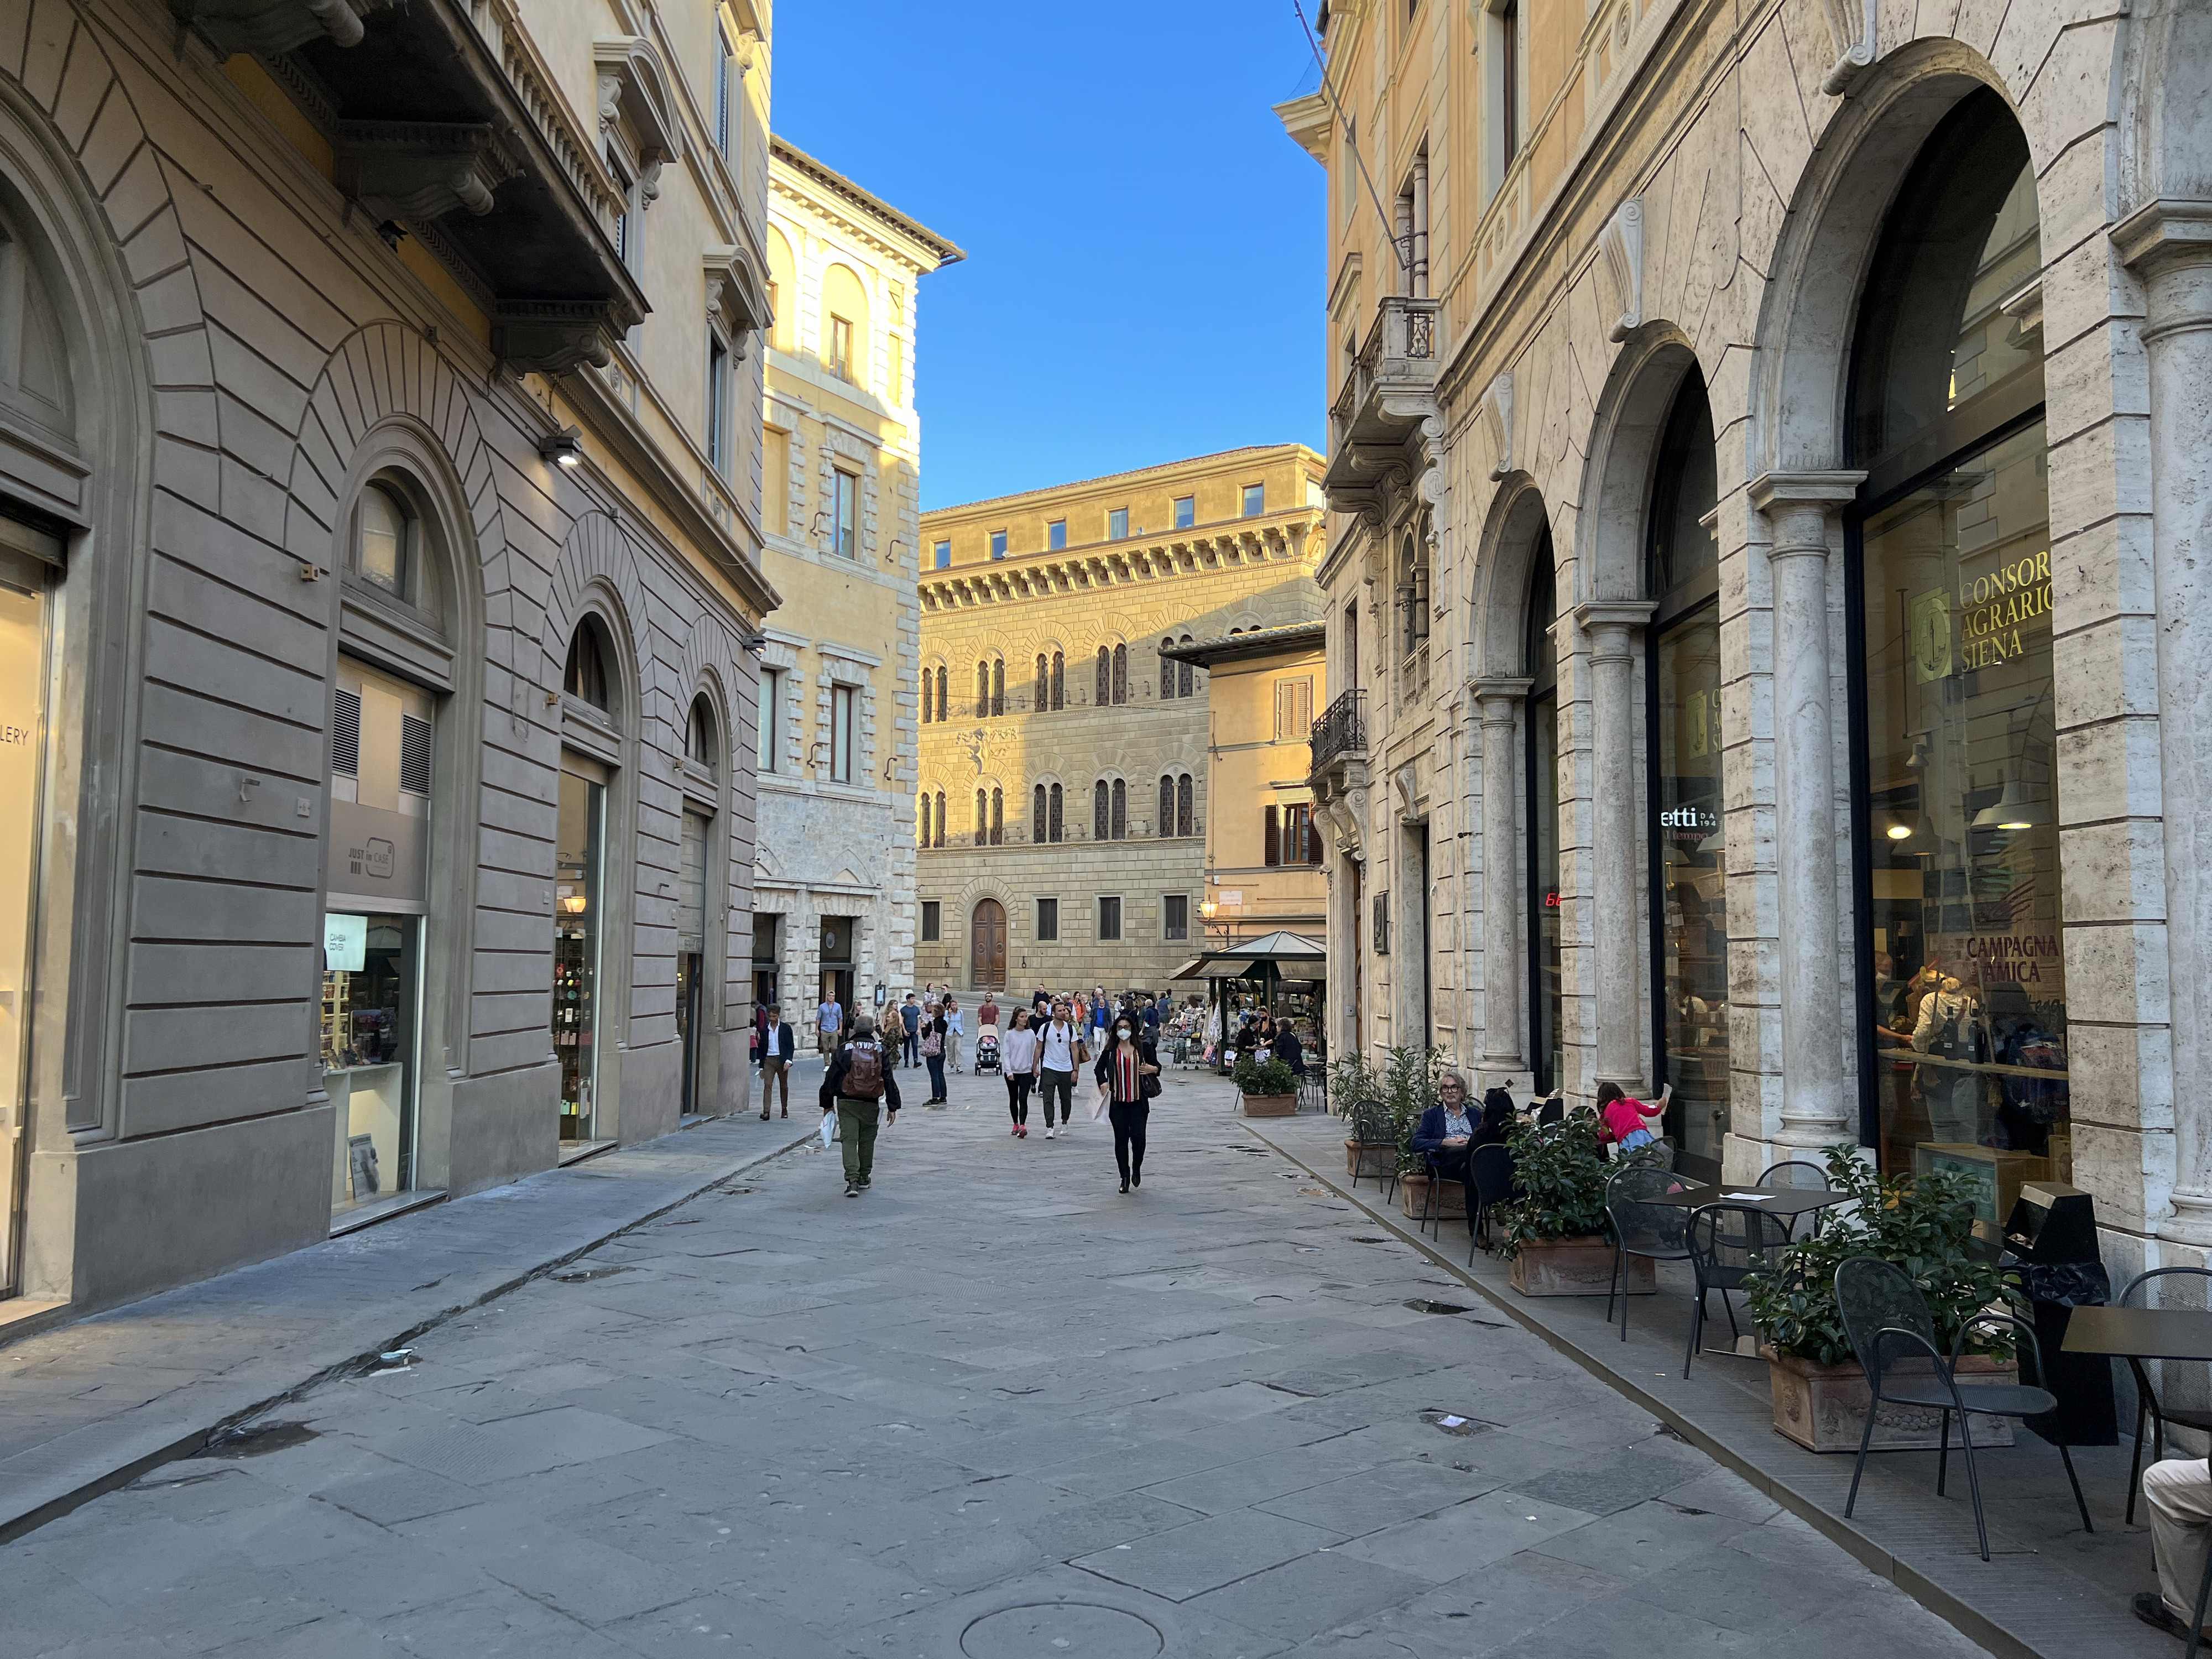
840,493
1065,790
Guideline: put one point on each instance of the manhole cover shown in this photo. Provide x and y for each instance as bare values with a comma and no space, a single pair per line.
1421,1306
585,1275
259,1442
1063,1630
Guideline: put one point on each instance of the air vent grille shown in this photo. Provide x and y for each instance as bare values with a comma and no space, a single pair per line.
345,737
414,754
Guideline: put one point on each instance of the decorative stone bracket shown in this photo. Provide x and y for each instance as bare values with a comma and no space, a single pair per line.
736,295
551,337
271,27
1620,264
632,85
1495,414
1851,30
420,170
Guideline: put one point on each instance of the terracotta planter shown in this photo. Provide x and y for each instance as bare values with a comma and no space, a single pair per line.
1271,1105
1823,1408
1576,1266
1368,1158
1413,1194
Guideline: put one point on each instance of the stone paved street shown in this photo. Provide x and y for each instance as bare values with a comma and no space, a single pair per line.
991,1408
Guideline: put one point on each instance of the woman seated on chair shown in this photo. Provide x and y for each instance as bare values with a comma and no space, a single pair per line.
1446,1131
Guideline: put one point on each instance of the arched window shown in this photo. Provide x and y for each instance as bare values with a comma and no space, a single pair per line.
1041,699
385,552
928,701
699,741
1105,693
922,816
1183,814
585,675
1413,592
1054,814
999,685
1099,796
982,818
998,817
845,325
1165,824
941,819
1037,819
1186,675
1121,674
1120,810
1167,670
983,689
1059,681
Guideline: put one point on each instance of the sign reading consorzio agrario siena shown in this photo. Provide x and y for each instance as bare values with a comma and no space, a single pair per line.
1994,610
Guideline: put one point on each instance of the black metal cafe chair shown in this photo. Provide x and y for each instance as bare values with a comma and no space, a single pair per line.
1888,1321
1371,1126
1728,1243
1642,1226
1799,1176
2147,1404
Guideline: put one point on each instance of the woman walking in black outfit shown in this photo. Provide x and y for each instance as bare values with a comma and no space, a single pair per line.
1130,1071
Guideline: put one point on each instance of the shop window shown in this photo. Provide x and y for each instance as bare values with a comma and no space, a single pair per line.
1110,918
578,898
931,922
1689,863
1963,966
1047,919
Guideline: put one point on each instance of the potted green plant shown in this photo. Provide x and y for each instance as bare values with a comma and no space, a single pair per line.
1270,1088
1409,1088
1555,1228
1923,1225
1354,1078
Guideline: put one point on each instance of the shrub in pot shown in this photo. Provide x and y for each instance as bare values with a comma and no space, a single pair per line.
1924,1225
1354,1078
1270,1088
1409,1088
1555,1227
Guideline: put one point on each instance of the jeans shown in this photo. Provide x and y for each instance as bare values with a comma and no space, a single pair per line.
1017,1095
1050,1082
910,1051
856,1132
936,1076
1129,1118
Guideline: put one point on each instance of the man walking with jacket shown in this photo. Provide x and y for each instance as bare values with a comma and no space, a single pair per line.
860,1087
779,1048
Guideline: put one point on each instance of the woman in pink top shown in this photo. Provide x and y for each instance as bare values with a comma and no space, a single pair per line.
1627,1120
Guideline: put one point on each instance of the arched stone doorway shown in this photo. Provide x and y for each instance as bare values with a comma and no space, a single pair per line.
987,945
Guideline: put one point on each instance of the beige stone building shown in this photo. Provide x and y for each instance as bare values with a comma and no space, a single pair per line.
841,500
1064,790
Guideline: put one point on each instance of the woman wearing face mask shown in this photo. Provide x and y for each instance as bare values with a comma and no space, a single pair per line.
1129,1071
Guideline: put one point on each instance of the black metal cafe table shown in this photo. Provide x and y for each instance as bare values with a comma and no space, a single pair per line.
1787,1201
2140,1332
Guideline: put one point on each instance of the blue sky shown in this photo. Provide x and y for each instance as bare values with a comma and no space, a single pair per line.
1145,245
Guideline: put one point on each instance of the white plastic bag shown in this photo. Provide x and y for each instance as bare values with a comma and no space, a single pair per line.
1100,1103
829,1130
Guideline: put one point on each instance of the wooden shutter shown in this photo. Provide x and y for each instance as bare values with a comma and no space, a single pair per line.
1274,838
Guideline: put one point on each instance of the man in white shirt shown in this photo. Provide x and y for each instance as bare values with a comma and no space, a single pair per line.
1058,1055
828,1020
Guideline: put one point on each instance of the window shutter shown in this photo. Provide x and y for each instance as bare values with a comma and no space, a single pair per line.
1274,847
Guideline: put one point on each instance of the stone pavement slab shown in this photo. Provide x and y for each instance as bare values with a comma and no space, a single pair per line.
100,1401
1200,1420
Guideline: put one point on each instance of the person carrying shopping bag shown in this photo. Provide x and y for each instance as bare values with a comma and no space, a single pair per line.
933,1053
860,1087
1129,1070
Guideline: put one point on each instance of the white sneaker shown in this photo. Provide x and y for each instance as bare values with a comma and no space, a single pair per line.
1048,1134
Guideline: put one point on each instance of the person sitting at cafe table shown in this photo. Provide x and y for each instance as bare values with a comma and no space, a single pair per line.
1446,1130
2179,1491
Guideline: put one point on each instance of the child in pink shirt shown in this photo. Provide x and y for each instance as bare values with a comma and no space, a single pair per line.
1627,1120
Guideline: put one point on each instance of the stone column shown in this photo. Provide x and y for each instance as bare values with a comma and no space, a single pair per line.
1504,939
2169,245
1800,508
1616,700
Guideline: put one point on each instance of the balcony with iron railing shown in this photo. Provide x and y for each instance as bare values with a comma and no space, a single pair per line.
1340,733
1388,392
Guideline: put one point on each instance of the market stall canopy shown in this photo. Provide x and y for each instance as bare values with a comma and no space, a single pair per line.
1279,950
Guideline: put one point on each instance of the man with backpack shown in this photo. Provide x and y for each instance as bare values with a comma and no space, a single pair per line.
859,1087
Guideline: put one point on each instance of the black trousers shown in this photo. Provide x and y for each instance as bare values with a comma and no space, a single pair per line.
1017,1095
1050,1082
1129,1118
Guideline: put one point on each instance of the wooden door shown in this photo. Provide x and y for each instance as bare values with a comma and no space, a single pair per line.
987,946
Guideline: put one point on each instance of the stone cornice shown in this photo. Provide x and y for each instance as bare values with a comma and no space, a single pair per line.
2164,233
1624,613
1836,488
1483,686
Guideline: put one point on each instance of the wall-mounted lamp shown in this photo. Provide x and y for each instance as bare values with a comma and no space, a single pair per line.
752,642
562,448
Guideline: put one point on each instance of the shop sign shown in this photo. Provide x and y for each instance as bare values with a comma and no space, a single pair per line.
379,853
345,942
1994,610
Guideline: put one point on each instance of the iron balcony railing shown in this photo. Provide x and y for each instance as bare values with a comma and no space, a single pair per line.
1399,356
1342,729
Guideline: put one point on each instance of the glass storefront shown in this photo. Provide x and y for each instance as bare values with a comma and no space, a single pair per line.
577,899
691,958
23,577
370,1010
1689,873
1547,1000
1964,980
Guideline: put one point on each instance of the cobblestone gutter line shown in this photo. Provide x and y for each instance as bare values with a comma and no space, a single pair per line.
42,1482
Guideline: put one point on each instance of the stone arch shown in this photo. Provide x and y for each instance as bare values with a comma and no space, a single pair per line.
1625,433
598,571
1503,569
1809,311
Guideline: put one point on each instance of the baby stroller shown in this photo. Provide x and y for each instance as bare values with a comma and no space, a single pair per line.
987,1050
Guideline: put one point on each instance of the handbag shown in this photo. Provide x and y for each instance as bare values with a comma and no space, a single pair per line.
932,1045
1149,1085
